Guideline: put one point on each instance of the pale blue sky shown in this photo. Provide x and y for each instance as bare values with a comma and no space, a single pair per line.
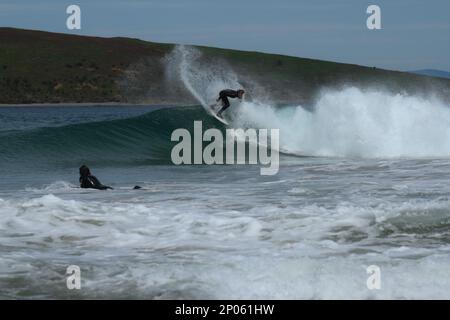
415,34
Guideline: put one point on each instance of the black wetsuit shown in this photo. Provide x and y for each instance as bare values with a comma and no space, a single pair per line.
224,95
87,180
92,182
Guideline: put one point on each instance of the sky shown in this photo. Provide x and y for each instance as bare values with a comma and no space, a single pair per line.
415,34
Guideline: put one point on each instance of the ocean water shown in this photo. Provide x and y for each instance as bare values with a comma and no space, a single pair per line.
364,181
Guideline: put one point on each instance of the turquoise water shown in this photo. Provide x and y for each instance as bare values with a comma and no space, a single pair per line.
221,231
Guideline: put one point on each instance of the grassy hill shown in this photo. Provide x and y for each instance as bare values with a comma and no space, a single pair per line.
43,67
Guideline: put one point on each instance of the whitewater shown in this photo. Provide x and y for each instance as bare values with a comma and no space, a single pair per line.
363,181
349,122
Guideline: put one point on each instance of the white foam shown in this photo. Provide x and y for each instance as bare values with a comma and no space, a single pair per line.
344,123
194,251
54,187
357,123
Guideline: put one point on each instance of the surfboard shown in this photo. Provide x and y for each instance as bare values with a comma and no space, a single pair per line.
213,113
220,119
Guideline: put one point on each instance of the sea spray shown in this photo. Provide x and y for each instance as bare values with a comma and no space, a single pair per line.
358,123
203,78
351,122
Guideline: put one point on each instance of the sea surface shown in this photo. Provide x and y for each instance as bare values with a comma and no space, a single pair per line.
353,192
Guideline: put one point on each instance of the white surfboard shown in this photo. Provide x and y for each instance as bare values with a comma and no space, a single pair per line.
213,113
220,119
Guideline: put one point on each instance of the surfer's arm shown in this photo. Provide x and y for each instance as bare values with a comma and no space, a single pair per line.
97,184
87,182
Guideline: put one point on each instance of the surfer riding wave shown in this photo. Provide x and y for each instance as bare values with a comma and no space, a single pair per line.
224,95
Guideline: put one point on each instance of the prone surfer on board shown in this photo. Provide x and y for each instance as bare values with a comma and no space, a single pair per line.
87,180
224,95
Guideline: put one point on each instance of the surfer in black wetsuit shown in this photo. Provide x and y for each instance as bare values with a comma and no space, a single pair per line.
224,95
87,180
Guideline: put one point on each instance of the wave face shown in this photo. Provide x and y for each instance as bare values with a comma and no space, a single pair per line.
142,139
347,123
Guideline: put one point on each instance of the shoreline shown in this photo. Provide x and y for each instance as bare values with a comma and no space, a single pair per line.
91,104
123,104
131,104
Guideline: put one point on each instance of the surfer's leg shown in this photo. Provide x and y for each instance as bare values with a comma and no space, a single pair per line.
225,105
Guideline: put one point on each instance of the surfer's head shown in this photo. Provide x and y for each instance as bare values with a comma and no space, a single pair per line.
84,171
240,93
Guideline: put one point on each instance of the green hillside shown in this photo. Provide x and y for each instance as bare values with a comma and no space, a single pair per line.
43,67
